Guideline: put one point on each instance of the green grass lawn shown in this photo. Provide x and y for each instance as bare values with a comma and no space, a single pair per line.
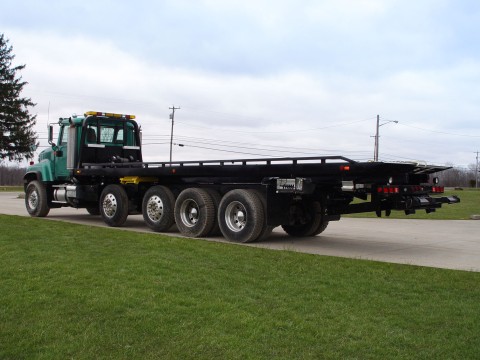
469,205
72,291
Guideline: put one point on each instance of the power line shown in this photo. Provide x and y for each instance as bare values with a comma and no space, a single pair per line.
246,145
229,151
439,132
272,132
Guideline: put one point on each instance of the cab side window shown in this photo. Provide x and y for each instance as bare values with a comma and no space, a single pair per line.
64,136
91,135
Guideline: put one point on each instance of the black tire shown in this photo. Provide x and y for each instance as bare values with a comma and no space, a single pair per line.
194,212
158,207
114,205
36,199
321,228
311,222
241,216
93,210
216,198
267,229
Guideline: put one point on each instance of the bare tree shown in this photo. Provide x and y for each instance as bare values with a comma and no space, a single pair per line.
458,177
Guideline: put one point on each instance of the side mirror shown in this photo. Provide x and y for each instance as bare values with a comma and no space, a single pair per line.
50,135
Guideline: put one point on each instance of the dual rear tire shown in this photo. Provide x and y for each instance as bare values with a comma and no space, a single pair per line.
239,216
309,222
195,212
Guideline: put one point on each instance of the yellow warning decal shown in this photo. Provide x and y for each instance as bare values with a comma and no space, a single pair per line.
137,180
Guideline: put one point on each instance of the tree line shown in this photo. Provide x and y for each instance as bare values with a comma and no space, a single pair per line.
11,176
459,177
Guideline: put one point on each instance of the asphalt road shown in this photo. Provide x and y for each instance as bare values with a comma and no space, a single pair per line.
434,243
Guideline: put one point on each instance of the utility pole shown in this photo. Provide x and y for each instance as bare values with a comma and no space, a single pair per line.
377,136
172,117
476,173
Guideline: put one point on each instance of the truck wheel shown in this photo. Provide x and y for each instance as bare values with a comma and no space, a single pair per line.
157,207
114,205
321,228
241,216
309,221
267,229
216,198
194,212
36,200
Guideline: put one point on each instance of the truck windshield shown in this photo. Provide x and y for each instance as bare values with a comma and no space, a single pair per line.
110,133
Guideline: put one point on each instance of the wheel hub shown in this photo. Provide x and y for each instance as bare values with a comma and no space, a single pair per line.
155,208
236,216
109,205
33,199
189,213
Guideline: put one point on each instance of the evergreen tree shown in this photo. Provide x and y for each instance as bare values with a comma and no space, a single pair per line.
17,137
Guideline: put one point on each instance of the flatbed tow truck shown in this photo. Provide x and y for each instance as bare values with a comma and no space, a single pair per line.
97,164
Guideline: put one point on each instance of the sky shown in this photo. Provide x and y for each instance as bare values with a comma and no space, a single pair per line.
261,78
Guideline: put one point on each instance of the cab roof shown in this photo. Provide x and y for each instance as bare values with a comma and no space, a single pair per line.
78,119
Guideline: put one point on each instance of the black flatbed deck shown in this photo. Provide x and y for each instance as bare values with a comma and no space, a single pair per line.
322,168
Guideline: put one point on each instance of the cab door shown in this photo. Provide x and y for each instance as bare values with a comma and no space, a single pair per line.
60,155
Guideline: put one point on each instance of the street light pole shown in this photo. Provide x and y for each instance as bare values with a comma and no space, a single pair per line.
375,152
377,136
476,173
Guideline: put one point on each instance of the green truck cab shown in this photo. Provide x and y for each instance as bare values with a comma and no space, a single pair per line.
93,138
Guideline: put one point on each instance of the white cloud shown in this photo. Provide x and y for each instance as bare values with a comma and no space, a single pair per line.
258,72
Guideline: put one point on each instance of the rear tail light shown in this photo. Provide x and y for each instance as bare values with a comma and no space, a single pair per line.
388,190
409,189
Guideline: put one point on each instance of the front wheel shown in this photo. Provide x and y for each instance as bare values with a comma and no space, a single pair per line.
36,200
114,205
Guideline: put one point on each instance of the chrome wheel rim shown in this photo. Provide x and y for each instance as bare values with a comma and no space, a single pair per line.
109,205
155,208
189,213
33,199
236,216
